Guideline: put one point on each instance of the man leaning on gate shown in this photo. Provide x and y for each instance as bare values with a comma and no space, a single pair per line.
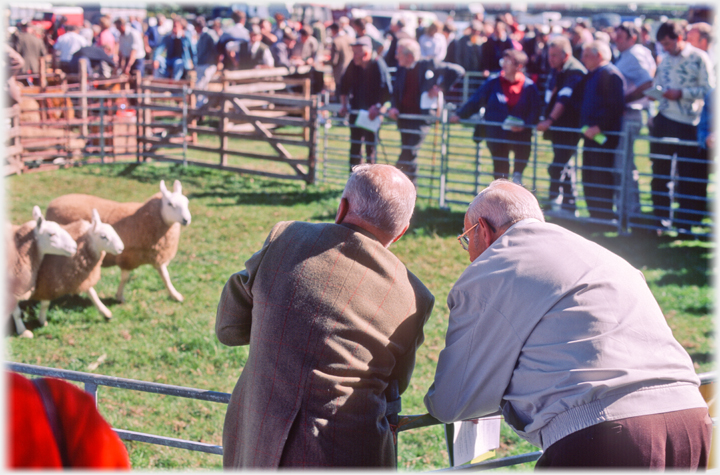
332,318
567,340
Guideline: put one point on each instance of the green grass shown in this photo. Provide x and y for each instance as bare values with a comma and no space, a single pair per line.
154,338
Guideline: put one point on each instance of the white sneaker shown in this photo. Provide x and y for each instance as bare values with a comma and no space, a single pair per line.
517,178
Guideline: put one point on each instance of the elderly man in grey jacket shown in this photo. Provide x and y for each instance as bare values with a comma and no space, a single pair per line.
568,340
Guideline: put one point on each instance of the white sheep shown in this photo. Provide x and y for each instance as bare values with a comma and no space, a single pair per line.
150,231
60,275
27,245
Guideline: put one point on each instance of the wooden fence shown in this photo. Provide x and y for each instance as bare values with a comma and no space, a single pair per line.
140,119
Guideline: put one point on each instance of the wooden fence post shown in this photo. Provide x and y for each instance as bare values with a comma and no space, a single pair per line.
223,125
306,110
84,96
192,104
312,148
139,132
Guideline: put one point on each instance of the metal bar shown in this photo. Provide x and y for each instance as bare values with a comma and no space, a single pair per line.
169,441
122,383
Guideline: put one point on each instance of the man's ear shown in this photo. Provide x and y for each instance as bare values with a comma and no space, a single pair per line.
401,233
342,211
485,233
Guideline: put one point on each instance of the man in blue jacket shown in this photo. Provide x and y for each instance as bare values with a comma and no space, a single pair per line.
179,53
601,111
417,79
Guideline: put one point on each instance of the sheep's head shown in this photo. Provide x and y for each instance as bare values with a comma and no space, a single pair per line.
174,205
51,238
104,237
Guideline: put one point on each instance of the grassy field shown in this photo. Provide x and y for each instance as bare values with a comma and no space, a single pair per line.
154,338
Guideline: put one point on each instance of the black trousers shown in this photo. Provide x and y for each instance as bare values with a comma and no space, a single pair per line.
412,136
357,136
500,151
679,439
561,174
692,173
598,176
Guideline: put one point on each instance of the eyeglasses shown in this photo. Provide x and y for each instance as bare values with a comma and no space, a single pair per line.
464,240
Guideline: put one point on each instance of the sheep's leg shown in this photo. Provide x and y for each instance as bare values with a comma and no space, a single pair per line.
100,306
162,269
19,325
124,277
44,306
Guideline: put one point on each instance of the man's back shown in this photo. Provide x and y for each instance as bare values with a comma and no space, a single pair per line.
335,317
593,346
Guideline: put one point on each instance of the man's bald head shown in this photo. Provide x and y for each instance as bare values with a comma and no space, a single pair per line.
504,203
382,196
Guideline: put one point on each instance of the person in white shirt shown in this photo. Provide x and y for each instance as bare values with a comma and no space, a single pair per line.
67,45
131,48
238,30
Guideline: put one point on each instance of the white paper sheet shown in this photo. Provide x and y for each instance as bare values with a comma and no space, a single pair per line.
427,102
472,440
363,121
654,92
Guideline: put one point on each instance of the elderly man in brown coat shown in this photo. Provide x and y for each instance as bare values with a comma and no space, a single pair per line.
332,317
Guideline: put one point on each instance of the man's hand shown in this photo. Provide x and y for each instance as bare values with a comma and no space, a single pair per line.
156,64
591,132
454,119
434,91
373,112
516,128
393,113
672,94
710,141
544,125
343,111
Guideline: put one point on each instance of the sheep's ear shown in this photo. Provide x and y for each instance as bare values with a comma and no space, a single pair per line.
95,218
163,188
37,215
177,187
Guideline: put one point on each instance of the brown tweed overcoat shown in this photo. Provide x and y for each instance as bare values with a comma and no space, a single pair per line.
331,317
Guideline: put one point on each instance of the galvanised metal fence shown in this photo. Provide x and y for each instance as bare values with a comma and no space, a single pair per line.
92,383
614,187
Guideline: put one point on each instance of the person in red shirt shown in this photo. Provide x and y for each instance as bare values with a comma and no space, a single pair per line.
54,424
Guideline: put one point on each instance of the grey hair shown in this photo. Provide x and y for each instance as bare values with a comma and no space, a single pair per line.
408,45
600,48
382,196
500,205
561,42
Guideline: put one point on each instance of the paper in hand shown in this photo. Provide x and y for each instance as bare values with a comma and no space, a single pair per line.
363,121
654,92
471,441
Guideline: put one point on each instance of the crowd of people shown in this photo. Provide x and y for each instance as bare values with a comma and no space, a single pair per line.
595,80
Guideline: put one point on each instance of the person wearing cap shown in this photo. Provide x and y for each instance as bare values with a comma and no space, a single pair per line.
29,46
340,54
417,79
281,50
131,49
366,85
307,50
255,54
